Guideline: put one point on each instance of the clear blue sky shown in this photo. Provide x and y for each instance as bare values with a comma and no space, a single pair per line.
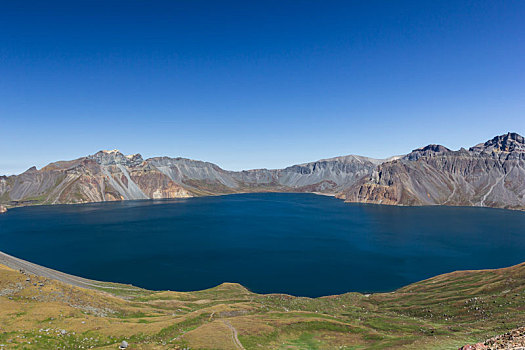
248,84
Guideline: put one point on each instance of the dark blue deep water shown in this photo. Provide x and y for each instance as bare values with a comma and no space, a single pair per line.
300,244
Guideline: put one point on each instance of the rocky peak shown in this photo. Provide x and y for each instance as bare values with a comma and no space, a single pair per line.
31,170
114,157
425,151
510,142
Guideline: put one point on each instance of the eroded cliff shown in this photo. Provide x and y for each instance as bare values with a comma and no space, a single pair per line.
490,174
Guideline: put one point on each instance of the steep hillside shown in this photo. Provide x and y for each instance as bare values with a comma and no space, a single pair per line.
37,311
110,175
104,176
491,174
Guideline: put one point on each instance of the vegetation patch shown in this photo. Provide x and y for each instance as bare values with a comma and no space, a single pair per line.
443,312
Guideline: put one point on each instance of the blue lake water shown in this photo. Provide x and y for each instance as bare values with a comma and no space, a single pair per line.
301,244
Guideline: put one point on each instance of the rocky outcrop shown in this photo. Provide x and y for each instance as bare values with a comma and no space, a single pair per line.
491,174
514,339
104,176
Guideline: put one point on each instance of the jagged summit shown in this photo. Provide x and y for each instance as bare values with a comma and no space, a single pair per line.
509,142
32,169
433,148
115,157
425,151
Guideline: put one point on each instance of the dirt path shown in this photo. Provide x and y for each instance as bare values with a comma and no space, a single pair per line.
235,337
19,264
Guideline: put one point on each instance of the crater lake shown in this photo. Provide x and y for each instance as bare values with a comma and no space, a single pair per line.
299,244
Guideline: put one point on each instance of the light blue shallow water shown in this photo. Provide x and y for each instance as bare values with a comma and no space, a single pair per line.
300,244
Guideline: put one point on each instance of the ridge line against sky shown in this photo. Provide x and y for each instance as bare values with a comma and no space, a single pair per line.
204,160
256,85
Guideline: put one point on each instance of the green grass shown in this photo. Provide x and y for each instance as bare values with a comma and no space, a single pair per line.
443,312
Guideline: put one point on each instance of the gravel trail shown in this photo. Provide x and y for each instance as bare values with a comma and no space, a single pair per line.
26,266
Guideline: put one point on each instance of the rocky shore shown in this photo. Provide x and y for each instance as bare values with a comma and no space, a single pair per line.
2,209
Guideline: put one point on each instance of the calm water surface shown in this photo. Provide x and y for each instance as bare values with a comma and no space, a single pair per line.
300,244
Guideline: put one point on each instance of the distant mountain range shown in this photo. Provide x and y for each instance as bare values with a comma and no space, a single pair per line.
490,174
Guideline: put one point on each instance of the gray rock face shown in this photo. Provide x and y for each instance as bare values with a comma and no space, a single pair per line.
490,174
334,173
329,175
114,157
182,170
510,142
426,151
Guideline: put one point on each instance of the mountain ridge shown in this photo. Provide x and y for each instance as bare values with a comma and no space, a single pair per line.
111,175
488,174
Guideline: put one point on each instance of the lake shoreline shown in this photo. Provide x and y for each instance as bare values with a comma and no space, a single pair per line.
270,243
334,195
27,267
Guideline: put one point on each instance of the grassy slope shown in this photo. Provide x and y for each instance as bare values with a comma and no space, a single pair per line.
443,312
